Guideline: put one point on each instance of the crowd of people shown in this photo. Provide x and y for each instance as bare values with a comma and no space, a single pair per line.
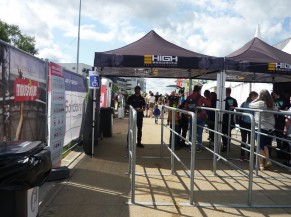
271,125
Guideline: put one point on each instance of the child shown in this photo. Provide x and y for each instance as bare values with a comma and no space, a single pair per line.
157,113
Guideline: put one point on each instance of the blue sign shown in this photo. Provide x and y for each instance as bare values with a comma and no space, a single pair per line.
94,80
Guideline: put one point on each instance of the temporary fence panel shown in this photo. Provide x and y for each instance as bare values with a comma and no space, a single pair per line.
252,168
23,95
75,93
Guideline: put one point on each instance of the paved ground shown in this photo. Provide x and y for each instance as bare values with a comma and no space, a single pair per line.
100,185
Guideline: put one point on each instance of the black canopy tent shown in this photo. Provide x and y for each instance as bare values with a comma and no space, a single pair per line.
153,56
257,61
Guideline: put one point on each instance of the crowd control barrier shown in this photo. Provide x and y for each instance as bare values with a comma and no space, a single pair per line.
250,174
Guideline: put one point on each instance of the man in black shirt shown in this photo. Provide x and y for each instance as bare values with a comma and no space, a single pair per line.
138,103
281,104
230,104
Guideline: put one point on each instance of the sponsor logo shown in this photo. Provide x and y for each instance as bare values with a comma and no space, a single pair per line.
69,81
279,67
25,90
73,106
235,77
160,60
56,70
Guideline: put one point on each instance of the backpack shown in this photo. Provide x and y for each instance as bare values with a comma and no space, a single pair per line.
192,104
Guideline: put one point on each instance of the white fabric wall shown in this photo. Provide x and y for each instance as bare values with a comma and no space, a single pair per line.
239,90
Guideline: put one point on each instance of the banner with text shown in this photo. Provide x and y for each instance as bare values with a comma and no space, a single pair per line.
75,91
56,113
22,96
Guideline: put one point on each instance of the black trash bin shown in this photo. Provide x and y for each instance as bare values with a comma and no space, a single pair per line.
24,166
106,121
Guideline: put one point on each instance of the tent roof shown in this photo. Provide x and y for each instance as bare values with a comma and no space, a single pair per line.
257,61
284,45
152,43
257,50
153,56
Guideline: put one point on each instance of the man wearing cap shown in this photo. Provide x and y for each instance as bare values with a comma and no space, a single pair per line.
138,103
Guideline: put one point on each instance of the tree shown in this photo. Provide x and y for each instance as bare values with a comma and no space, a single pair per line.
115,88
12,35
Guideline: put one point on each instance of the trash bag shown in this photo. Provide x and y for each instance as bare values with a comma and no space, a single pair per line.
24,164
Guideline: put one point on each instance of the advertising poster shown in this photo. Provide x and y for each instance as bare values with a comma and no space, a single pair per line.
56,113
75,93
22,96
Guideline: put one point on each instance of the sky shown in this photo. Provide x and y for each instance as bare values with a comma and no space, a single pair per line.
211,27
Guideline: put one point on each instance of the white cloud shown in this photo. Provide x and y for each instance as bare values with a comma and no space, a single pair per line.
160,85
213,27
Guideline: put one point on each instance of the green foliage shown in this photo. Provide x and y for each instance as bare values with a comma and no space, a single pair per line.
12,35
4,35
115,88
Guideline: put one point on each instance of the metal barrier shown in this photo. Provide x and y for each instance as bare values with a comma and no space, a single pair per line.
131,137
192,141
258,132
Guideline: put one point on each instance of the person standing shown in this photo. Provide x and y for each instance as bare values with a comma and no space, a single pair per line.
138,103
230,104
151,101
281,105
245,126
195,99
157,113
172,101
183,123
120,99
157,97
264,102
147,109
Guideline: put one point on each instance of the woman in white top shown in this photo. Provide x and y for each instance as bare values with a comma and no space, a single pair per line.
264,102
151,100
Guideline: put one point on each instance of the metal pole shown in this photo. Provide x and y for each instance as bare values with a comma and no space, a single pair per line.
133,149
258,144
220,103
173,141
228,135
129,132
77,69
93,122
46,97
193,154
190,86
216,146
162,132
251,163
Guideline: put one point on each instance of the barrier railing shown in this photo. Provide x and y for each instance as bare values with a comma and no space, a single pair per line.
190,171
131,137
258,132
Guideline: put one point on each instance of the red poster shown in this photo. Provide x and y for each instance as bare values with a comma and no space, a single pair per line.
55,71
103,96
25,90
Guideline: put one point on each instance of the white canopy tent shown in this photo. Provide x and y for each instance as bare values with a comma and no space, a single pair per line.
284,45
